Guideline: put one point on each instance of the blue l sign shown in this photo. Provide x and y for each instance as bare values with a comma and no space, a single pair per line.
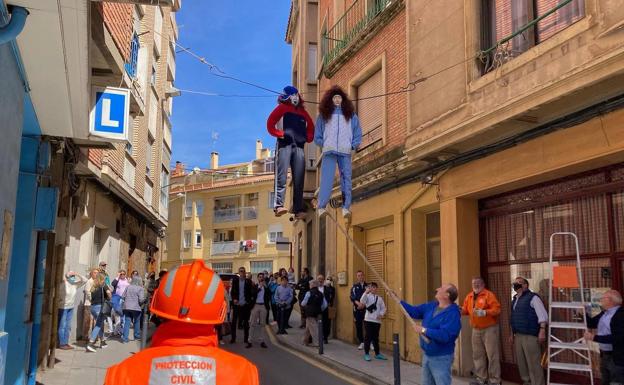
110,113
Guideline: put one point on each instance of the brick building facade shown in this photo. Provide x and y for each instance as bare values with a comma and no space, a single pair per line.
114,201
494,128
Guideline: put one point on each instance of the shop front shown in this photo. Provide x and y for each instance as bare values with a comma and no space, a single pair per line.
515,228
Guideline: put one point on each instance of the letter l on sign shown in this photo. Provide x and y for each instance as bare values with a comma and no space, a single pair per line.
106,114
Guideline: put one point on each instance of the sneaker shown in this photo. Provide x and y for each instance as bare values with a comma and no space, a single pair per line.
367,357
361,346
279,211
221,342
263,345
346,214
103,344
90,347
249,345
66,347
380,357
321,212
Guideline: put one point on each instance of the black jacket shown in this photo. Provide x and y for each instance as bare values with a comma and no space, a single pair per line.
616,338
330,294
234,292
303,286
314,306
267,295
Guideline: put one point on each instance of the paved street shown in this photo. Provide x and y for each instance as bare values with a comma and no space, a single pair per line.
278,366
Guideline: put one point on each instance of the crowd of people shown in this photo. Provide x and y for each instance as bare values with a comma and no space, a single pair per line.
253,300
110,308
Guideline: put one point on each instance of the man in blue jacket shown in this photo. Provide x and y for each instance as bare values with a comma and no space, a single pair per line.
440,328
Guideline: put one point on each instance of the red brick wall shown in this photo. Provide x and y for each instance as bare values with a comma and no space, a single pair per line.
95,157
118,20
391,40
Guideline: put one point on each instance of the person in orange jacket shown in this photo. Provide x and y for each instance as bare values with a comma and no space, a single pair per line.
184,349
483,308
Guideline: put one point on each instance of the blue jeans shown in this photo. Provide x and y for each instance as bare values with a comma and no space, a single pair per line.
328,169
98,330
436,370
64,325
133,316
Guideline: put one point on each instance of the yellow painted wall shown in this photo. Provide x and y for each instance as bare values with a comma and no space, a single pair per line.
396,218
243,228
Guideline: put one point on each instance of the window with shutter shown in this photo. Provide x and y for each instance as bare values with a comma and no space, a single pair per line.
509,16
370,109
559,20
375,256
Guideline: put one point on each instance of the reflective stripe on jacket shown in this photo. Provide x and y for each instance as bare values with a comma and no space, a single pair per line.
183,353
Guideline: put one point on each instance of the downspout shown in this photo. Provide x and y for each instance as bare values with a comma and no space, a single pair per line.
15,26
403,326
40,262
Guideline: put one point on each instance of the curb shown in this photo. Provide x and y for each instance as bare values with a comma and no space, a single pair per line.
358,375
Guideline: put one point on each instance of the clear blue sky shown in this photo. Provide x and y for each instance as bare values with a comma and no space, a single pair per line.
246,43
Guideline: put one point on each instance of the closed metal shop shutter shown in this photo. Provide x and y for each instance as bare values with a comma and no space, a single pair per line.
370,111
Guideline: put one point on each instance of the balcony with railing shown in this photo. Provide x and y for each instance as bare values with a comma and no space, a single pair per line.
231,247
250,213
227,215
235,214
358,23
133,58
234,247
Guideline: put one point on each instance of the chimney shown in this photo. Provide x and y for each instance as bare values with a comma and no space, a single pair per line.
214,160
179,169
258,149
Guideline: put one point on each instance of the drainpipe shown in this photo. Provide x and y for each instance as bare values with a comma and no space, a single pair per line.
40,262
10,31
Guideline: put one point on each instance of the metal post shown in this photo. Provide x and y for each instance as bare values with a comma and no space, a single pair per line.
396,358
320,335
145,325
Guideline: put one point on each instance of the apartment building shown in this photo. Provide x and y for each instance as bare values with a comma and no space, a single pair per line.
111,208
71,200
302,34
510,132
142,49
224,215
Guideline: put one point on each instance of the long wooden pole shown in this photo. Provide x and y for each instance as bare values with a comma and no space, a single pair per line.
391,293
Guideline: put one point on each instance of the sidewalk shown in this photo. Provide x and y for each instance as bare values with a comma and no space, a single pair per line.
79,367
346,358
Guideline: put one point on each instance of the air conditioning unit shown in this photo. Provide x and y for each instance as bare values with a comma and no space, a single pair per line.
174,4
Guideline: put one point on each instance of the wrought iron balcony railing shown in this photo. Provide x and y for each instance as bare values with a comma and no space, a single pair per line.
131,65
357,17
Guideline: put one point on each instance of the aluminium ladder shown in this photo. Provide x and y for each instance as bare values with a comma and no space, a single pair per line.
580,347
